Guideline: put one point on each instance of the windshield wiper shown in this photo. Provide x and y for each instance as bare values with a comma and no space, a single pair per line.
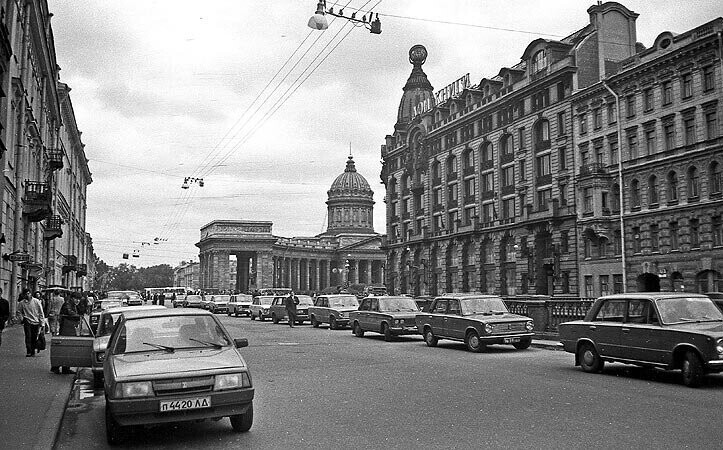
160,347
207,344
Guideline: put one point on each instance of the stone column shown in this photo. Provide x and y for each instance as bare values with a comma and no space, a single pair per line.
264,263
369,271
220,270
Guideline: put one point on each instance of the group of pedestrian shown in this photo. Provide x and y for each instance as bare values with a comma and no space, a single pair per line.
159,299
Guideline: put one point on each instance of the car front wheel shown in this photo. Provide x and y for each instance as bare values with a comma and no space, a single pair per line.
253,317
473,342
332,323
358,332
243,422
274,319
314,323
114,433
590,360
522,345
430,338
388,336
692,370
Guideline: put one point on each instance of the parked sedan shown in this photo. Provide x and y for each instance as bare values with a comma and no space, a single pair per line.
390,316
333,309
260,307
193,301
278,310
218,304
477,320
99,307
667,330
173,366
240,304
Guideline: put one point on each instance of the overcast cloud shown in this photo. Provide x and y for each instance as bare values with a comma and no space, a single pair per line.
162,90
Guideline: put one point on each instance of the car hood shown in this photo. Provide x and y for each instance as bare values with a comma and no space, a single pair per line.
220,303
493,318
401,314
709,328
345,310
159,364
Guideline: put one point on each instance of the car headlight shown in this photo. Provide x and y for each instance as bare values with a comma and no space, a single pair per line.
265,310
488,328
135,389
100,357
719,348
530,326
231,381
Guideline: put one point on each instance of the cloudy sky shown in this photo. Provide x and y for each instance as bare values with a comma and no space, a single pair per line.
244,95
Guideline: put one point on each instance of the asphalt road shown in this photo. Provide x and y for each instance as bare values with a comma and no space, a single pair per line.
318,388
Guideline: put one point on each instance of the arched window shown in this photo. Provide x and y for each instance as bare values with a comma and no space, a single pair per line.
452,165
542,133
635,193
436,170
693,183
672,187
485,154
539,61
393,187
653,190
715,180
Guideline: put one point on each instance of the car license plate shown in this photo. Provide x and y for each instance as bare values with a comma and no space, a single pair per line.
511,340
187,403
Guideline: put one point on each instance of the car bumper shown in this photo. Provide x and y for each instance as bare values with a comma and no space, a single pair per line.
715,365
146,411
398,331
246,311
342,321
506,338
220,309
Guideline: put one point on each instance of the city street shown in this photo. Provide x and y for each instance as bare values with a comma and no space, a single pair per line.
317,388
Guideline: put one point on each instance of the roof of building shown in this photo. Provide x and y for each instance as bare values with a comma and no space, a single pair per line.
350,183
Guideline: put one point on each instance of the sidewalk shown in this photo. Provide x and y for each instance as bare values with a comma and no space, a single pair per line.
546,344
32,398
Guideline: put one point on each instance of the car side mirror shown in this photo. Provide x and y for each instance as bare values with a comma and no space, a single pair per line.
241,343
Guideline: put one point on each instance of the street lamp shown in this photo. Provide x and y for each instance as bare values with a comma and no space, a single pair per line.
190,180
318,20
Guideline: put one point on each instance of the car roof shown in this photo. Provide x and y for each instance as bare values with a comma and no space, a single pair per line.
124,309
654,295
462,295
385,297
167,312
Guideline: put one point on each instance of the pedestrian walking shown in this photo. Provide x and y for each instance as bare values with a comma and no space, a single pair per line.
290,304
69,320
4,314
30,311
56,303
81,304
162,299
155,299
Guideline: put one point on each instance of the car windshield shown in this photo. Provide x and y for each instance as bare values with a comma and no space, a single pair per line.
265,300
472,306
397,304
688,309
305,300
193,298
110,304
170,333
344,301
220,298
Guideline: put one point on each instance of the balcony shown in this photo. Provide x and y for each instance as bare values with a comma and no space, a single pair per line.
437,208
406,215
419,212
486,195
542,145
487,164
81,270
469,199
37,201
436,181
405,192
53,228
593,169
452,204
71,263
55,159
506,190
418,187
507,157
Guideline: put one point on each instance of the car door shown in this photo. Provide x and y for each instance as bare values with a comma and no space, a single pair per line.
454,322
641,334
73,351
605,328
437,317
361,311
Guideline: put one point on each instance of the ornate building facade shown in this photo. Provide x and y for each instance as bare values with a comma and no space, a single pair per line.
495,187
349,252
45,172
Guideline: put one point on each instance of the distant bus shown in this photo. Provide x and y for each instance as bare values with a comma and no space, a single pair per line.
166,291
274,291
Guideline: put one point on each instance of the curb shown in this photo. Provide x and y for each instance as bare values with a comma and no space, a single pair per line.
51,428
547,345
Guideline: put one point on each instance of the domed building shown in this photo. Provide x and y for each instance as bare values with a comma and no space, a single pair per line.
348,252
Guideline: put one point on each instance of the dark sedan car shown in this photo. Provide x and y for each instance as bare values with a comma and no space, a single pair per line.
667,330
475,319
390,316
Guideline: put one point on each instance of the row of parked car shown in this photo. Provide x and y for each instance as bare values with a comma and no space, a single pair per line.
666,330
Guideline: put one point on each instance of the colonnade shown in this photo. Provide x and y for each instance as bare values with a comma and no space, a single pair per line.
312,274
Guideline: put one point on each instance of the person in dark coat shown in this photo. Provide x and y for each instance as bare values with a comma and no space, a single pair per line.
290,304
162,299
4,314
69,320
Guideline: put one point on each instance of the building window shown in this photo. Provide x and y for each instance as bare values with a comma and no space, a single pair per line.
630,105
508,208
667,92
717,230
544,197
674,231
689,125
654,238
452,166
613,152
653,190
583,123
562,158
561,128
694,231
508,176
469,189
686,86
596,118
672,187
650,139
539,61
617,284
436,170
452,195
715,179
438,197
636,240
586,247
489,213
708,78
486,153
648,100
669,132
469,160
564,241
587,200
523,173
693,183
635,193
543,165
589,292
542,132
506,145
604,284
711,124
488,182
633,144
612,113
521,137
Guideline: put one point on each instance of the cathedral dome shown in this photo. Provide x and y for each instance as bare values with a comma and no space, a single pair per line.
350,183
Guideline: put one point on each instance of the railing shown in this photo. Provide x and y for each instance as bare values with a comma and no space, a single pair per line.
468,171
55,159
592,169
549,312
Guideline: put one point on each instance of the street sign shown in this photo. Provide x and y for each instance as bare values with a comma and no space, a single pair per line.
17,256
